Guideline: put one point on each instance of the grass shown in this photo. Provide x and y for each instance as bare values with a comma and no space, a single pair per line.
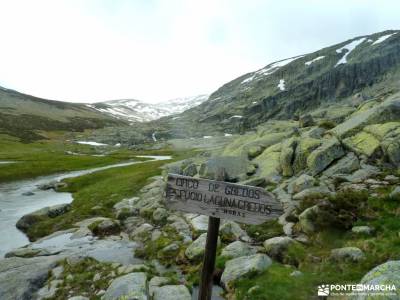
276,283
52,156
95,194
77,279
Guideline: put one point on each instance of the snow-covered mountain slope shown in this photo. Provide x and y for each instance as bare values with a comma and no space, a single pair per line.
137,111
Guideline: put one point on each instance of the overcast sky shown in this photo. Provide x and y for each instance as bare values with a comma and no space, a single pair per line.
152,50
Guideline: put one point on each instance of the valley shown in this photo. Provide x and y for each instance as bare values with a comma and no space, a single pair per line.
82,203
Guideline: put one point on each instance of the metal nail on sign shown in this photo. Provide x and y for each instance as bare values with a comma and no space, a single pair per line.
241,203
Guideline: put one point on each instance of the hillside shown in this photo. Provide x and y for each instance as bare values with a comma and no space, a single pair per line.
132,110
344,75
23,115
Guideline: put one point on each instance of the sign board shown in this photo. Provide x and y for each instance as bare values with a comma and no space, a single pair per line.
219,199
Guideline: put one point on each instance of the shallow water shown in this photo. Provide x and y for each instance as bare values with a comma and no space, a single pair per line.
13,204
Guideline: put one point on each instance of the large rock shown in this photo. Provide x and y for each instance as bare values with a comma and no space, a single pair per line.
309,218
277,246
384,274
352,254
346,165
324,155
242,266
287,156
238,249
172,292
363,143
21,278
47,212
129,287
269,164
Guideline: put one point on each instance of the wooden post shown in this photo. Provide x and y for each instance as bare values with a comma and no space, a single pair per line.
207,272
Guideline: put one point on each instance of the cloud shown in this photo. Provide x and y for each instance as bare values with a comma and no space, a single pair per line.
155,50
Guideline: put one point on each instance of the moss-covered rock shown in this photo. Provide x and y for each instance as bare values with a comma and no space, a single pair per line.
324,155
363,143
304,148
269,165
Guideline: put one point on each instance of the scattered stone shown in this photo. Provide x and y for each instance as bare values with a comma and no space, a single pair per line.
352,254
362,230
190,170
106,227
242,266
160,215
126,208
172,292
132,268
296,273
196,249
78,298
142,233
301,183
199,223
391,179
130,287
157,282
238,249
231,231
288,228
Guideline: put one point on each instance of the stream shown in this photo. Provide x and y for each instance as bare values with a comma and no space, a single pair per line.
13,203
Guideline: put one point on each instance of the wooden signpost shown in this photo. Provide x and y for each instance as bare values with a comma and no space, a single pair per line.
218,199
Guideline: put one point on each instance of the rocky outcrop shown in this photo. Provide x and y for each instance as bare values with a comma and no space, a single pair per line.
21,278
324,155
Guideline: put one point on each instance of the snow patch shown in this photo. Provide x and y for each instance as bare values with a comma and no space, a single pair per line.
91,143
307,63
383,38
153,136
349,47
281,84
227,134
207,137
236,117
